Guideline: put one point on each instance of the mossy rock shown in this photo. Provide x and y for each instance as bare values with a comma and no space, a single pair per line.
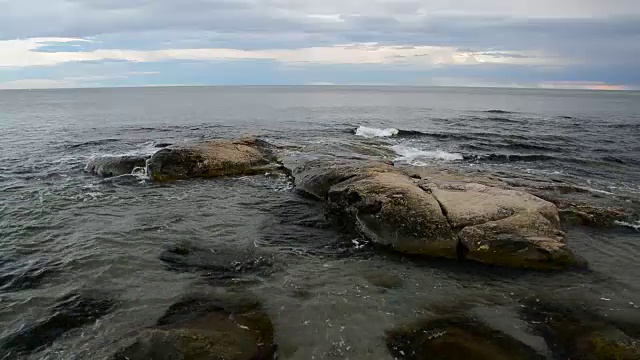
454,338
578,333
202,328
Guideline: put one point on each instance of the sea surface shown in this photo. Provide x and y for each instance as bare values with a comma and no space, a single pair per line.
72,240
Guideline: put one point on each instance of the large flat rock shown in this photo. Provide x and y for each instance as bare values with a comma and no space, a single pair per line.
440,215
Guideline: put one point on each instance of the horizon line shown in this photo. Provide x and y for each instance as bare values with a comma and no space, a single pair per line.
317,86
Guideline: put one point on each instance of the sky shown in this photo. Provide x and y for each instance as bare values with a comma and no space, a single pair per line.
560,44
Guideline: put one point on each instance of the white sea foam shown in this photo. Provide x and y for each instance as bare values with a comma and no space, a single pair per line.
374,132
635,225
418,157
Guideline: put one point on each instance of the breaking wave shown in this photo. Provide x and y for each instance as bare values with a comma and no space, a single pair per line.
419,157
634,225
369,132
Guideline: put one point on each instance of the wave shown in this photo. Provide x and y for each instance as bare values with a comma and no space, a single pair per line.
508,157
392,132
375,132
418,157
510,145
92,143
503,119
495,111
634,225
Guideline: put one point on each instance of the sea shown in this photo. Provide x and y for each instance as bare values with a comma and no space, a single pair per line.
82,269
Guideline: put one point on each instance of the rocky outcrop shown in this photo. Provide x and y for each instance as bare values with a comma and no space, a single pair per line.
202,327
389,209
215,158
502,226
318,176
438,216
108,166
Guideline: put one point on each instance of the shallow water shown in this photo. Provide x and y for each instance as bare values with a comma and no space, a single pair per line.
63,231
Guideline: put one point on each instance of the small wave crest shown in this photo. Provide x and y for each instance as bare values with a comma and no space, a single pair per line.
369,132
634,225
508,157
497,111
419,157
92,143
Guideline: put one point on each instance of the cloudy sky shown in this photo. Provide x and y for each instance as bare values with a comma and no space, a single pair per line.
584,44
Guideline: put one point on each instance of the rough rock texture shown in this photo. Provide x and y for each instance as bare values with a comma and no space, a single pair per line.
584,214
389,209
247,156
439,216
318,176
455,338
204,328
108,166
501,226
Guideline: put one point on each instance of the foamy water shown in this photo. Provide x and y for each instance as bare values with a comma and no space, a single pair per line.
370,132
418,157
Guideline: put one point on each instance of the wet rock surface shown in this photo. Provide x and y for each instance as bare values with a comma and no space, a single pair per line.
439,215
589,215
109,166
452,338
206,327
388,209
71,312
318,176
215,158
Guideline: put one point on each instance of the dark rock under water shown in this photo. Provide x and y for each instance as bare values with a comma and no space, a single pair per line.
202,327
70,312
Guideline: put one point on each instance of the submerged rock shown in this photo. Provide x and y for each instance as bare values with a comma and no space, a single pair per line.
438,215
17,276
202,327
108,166
215,158
384,280
576,333
455,337
72,311
216,264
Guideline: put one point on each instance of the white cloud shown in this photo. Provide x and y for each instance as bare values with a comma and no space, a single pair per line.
581,85
23,53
